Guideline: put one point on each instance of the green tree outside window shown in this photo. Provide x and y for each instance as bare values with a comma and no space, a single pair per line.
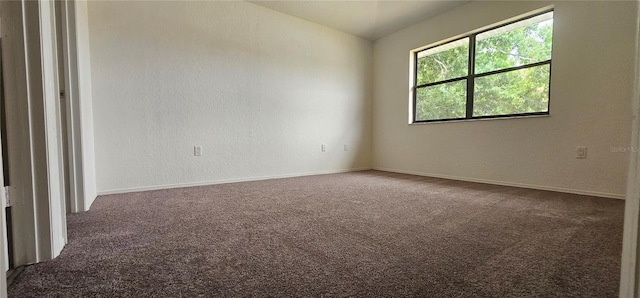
511,73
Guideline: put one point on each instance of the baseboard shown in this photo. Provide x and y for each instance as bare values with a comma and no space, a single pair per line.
89,202
223,181
13,274
57,250
504,183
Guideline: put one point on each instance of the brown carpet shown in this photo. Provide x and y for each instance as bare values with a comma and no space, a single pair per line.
361,234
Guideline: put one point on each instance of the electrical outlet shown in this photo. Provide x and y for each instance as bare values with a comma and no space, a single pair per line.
197,151
346,148
581,152
323,147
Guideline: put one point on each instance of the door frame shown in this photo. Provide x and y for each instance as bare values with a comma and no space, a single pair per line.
630,267
3,201
77,178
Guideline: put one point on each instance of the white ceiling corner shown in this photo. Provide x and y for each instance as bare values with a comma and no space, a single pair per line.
370,19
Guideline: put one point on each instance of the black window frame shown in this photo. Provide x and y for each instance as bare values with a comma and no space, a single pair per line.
471,76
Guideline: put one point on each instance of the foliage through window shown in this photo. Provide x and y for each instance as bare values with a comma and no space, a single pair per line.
501,72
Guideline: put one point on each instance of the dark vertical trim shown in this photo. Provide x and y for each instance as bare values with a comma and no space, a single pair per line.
414,101
9,237
549,91
470,75
3,125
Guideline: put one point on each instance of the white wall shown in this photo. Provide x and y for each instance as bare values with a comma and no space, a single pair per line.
591,87
260,91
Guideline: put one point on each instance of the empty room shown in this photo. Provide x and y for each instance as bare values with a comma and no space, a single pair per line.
319,148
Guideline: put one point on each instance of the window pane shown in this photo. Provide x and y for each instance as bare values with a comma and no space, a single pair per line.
444,101
514,92
520,43
448,61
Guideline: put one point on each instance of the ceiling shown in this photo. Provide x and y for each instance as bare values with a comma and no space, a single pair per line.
370,19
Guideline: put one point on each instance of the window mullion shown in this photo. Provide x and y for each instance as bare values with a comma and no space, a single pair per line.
471,75
415,88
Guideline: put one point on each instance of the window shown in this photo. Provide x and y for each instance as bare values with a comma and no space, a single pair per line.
504,71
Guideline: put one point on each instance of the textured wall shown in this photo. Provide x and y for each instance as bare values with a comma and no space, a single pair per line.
591,87
260,91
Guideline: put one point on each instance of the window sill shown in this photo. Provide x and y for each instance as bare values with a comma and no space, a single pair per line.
479,119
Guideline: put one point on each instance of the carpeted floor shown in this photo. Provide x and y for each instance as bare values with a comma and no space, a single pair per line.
367,233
